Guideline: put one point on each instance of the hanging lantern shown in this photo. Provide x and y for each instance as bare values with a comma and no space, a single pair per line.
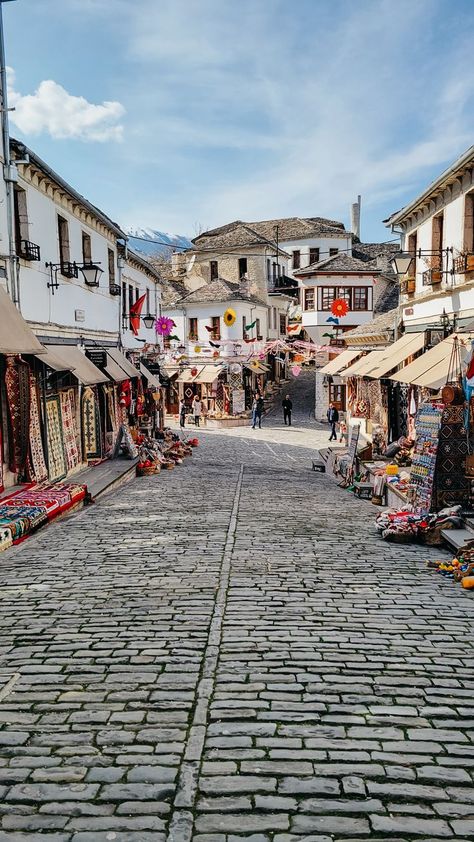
339,307
229,317
298,358
194,371
197,349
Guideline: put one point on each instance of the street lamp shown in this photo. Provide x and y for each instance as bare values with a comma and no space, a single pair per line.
148,320
91,273
402,262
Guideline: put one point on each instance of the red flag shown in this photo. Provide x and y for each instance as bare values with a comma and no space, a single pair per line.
135,312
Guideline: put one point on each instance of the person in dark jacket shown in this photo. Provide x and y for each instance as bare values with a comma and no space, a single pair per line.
287,407
333,418
257,410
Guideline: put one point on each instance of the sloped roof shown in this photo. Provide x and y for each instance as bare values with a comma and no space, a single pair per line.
172,292
217,290
381,327
389,298
234,234
379,254
298,228
342,263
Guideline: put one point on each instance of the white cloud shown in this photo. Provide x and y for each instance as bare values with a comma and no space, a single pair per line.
54,111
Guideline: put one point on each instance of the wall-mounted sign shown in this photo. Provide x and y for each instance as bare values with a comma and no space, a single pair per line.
80,315
408,311
97,356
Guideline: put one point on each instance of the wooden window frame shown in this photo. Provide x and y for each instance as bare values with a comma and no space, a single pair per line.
193,334
313,255
63,240
111,266
308,292
213,270
296,259
86,247
243,261
337,395
282,324
216,327
333,251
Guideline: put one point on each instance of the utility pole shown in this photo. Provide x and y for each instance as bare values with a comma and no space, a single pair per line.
12,284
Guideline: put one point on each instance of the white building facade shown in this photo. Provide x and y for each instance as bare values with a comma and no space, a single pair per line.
437,229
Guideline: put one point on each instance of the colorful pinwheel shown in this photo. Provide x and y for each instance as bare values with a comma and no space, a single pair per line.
164,325
229,317
339,307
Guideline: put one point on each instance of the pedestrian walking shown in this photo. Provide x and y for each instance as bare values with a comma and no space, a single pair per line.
333,418
182,414
257,410
197,410
287,409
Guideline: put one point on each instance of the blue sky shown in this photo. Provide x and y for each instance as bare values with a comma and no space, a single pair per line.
179,114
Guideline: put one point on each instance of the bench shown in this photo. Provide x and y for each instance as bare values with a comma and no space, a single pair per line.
458,538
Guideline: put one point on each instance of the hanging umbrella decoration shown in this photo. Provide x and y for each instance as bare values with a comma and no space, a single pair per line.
229,317
339,307
164,326
296,370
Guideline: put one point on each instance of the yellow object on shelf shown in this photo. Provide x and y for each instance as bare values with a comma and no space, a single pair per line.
391,470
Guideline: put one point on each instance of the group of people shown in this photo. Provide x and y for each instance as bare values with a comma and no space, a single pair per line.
196,411
258,407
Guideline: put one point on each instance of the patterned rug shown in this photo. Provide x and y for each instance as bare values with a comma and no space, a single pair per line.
17,382
37,469
57,467
90,425
1,461
69,429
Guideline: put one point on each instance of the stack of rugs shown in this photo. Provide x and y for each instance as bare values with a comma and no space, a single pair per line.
23,512
407,526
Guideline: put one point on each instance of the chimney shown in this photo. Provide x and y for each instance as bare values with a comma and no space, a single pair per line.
355,218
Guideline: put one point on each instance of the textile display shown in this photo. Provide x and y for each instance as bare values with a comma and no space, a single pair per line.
1,461
376,402
452,486
37,469
18,526
427,424
6,539
29,509
17,383
57,467
69,429
90,425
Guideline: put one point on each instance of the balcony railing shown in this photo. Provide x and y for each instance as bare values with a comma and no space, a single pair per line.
28,251
114,289
464,263
408,286
432,277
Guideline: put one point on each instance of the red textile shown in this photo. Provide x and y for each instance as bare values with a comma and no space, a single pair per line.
135,312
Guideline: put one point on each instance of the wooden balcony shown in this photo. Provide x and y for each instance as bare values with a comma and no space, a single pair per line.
432,277
464,263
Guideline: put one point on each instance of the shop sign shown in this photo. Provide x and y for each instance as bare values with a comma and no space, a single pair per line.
97,356
80,315
238,401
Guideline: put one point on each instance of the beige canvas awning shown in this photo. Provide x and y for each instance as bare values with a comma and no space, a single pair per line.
152,378
341,361
54,361
82,368
397,353
187,377
208,374
121,361
432,368
360,367
16,336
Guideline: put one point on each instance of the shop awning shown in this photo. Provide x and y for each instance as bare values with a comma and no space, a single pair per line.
187,377
82,368
397,353
121,361
16,336
152,378
54,361
169,371
338,363
432,368
208,374
359,368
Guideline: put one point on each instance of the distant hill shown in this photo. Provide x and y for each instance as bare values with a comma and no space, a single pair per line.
155,242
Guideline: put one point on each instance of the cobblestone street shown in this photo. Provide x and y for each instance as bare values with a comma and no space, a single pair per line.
228,651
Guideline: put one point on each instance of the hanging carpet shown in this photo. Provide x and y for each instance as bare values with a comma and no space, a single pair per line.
17,383
1,464
69,429
37,469
57,467
90,425
451,484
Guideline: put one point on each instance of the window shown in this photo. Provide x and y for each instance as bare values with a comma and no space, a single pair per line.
63,237
257,327
282,323
333,252
137,294
21,218
193,329
148,294
346,294
412,247
274,271
216,327
86,248
244,322
360,298
313,256
296,259
337,396
437,241
469,223
309,299
274,318
111,266
214,269
328,295
130,300
269,269
242,266
124,298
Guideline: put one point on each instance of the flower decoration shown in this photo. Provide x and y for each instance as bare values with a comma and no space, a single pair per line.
229,317
296,370
215,354
194,371
164,325
197,349
339,307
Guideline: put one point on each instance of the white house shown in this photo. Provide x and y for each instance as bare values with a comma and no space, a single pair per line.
71,283
437,229
340,277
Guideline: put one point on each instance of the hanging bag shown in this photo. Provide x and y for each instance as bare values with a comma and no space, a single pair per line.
452,392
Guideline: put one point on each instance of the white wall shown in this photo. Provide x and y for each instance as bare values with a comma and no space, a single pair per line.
140,281
204,312
343,243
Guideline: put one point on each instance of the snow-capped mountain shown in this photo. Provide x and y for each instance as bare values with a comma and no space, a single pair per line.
150,242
